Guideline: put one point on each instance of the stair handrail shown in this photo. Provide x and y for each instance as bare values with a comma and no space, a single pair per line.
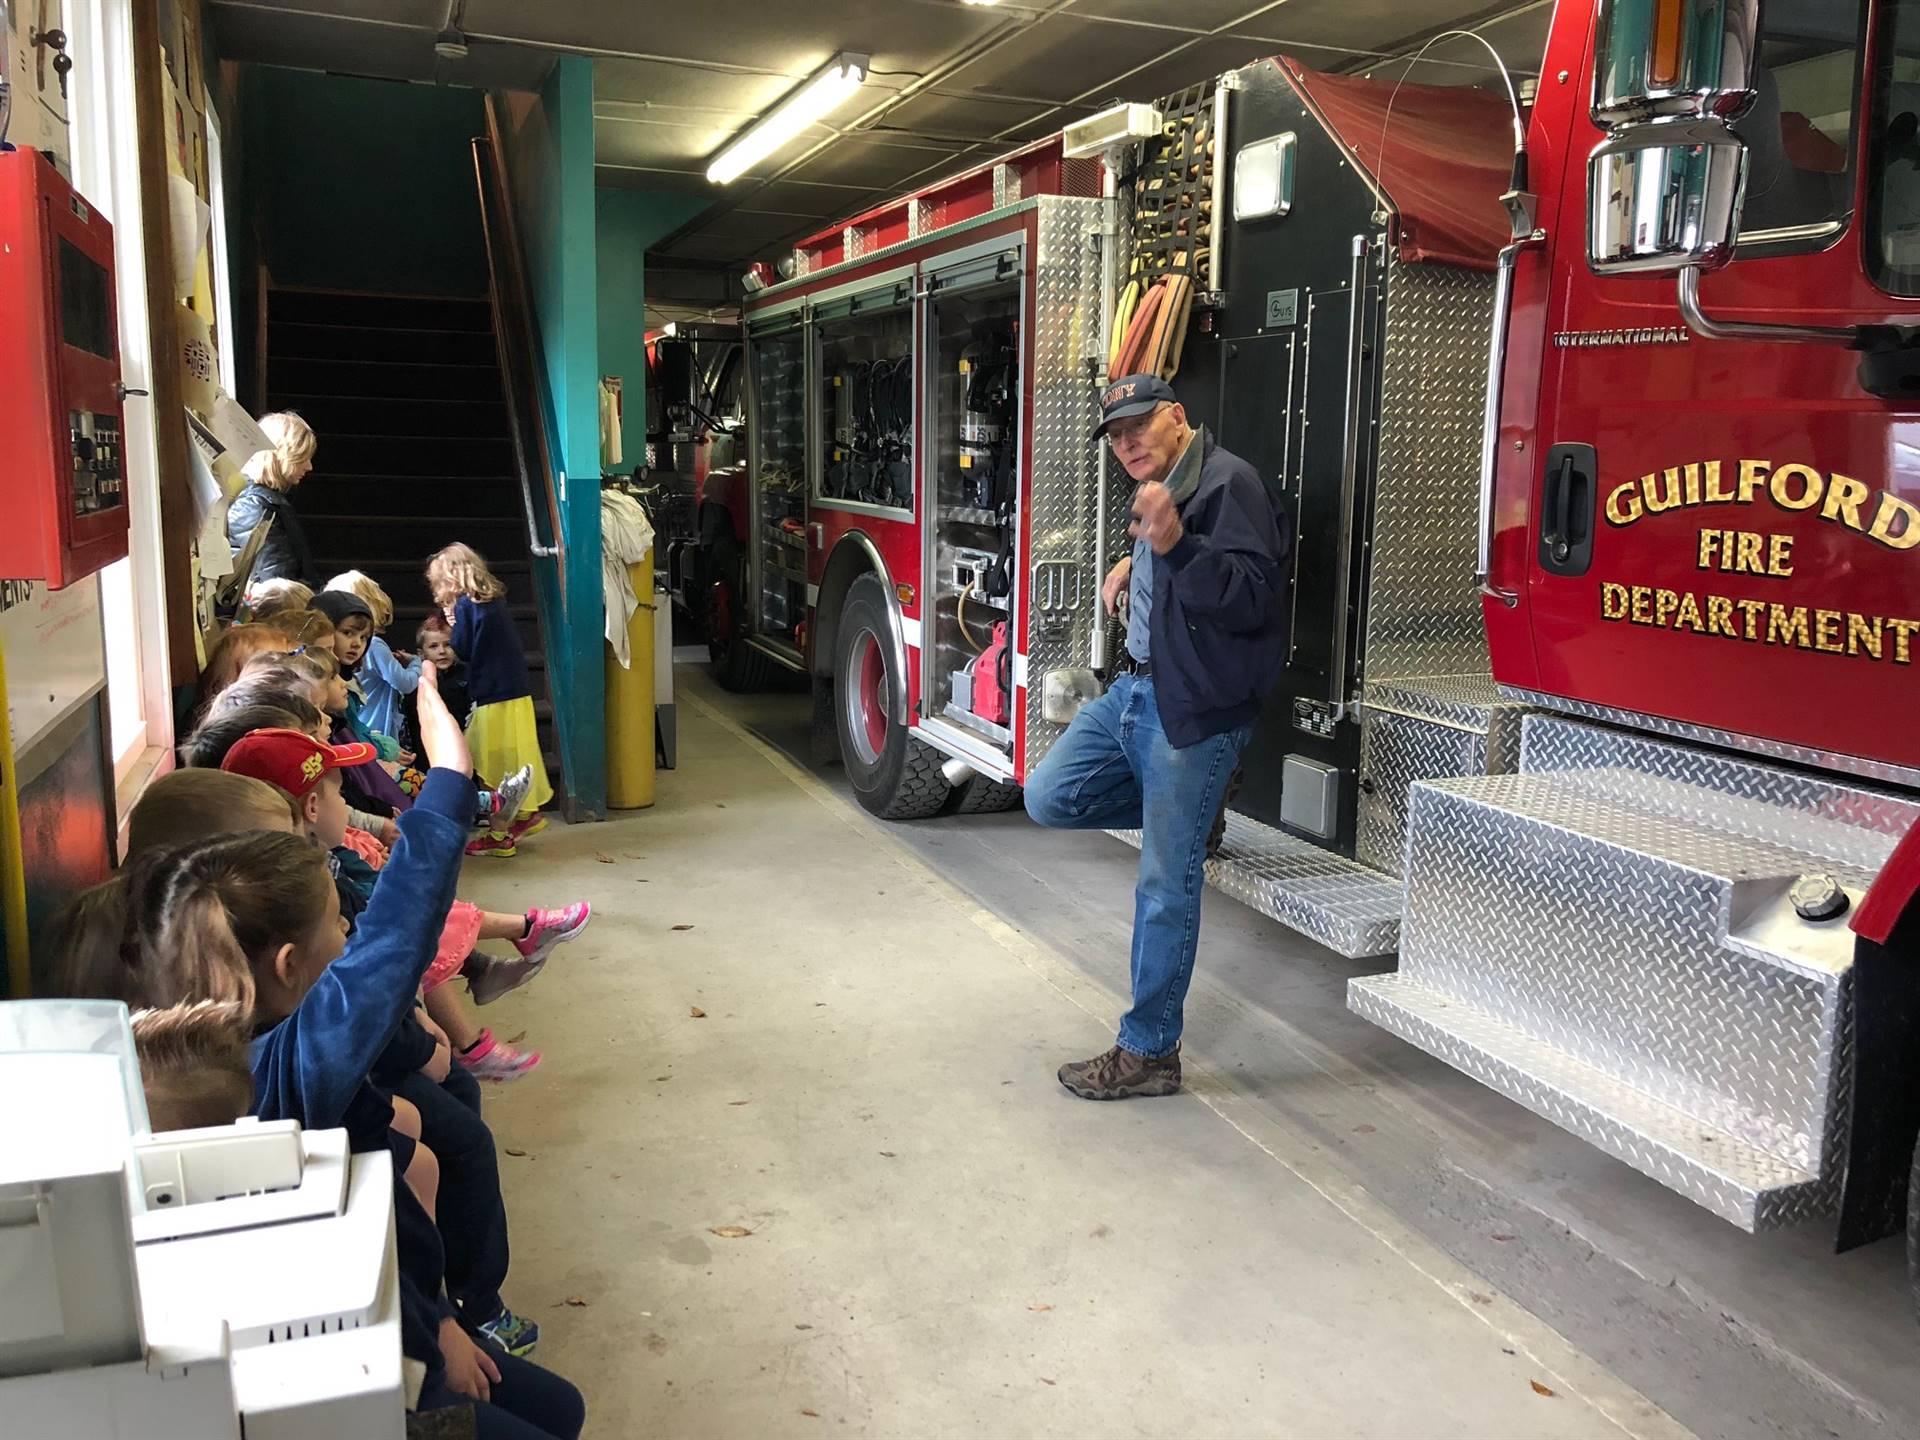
515,339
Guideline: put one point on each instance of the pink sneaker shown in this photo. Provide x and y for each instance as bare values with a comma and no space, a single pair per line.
496,1061
500,846
527,825
548,928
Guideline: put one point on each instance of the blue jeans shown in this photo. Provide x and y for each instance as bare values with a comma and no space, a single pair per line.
1114,770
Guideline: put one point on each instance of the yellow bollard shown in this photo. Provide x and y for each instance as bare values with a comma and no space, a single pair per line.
630,703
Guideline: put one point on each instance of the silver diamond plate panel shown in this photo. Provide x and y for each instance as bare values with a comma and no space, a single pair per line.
1006,185
1820,819
1600,931
1858,765
853,242
1423,610
1752,1187
1427,727
1350,909
1395,751
1062,480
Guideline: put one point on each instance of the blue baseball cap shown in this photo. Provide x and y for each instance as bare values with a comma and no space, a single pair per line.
1132,395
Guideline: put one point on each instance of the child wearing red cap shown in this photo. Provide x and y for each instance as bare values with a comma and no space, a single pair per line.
326,1007
308,771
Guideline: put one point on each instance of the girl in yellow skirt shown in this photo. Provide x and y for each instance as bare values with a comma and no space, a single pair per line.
500,730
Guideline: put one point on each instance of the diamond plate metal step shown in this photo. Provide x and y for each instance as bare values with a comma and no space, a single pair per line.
1607,938
1346,906
1737,1181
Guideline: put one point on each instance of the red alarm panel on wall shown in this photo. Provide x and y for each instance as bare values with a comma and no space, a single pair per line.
63,492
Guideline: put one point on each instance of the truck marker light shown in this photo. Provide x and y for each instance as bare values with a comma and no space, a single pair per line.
1663,66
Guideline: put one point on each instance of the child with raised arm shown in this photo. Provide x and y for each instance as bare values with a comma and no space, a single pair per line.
324,1009
501,728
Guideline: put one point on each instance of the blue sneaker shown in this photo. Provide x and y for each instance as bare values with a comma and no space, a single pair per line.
511,1333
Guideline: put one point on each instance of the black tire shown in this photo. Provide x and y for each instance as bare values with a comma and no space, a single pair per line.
823,737
984,795
894,775
1913,1230
736,664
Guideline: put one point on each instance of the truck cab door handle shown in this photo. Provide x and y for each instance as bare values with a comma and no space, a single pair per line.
1568,492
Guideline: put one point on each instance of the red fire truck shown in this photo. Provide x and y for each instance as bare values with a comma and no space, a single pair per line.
1594,412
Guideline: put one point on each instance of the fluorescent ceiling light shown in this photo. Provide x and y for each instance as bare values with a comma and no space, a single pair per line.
983,2
825,92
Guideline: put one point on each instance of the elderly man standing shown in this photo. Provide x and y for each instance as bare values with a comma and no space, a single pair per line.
1206,599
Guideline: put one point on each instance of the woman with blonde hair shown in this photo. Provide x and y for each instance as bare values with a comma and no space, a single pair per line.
271,476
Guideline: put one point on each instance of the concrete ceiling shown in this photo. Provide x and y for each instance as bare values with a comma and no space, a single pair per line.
951,85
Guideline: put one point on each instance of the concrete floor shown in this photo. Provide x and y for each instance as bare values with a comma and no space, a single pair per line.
1328,1234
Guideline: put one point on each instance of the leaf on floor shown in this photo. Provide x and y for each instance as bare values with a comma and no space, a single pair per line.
739,1102
814,1413
683,927
1503,1238
517,1154
516,1039
1540,1389
1045,1381
1038,1306
729,1232
1478,1298
803,1327
661,1078
1363,1129
886,1154
603,857
578,1302
696,1012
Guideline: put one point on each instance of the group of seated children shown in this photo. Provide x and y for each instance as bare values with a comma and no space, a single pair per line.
285,928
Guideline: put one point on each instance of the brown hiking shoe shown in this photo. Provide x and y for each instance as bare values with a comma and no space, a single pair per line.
1121,1075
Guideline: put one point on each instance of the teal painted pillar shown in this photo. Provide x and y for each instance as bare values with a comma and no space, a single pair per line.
573,366
551,164
628,221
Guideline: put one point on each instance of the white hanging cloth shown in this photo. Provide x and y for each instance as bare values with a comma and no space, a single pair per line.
626,535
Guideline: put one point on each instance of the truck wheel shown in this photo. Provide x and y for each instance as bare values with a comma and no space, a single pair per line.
736,664
984,796
896,776
1913,1230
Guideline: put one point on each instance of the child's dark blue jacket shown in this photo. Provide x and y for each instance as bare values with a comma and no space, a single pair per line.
486,637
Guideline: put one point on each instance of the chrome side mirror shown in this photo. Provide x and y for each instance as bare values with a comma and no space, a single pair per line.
1664,187
1665,196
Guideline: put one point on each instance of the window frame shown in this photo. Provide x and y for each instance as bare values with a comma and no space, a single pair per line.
1811,238
1902,283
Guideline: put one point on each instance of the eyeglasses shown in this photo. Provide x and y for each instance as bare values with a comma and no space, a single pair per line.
1133,428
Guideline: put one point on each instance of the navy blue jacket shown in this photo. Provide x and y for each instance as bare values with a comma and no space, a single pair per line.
313,1065
486,637
1220,603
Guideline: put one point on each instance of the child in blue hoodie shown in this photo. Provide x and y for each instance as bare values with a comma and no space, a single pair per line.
325,1009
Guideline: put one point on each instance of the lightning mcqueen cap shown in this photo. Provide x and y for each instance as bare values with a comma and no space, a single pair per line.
292,759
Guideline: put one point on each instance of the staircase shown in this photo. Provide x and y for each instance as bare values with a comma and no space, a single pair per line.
404,393
1607,937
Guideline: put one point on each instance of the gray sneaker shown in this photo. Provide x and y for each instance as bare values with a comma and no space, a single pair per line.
489,976
511,793
1122,1075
